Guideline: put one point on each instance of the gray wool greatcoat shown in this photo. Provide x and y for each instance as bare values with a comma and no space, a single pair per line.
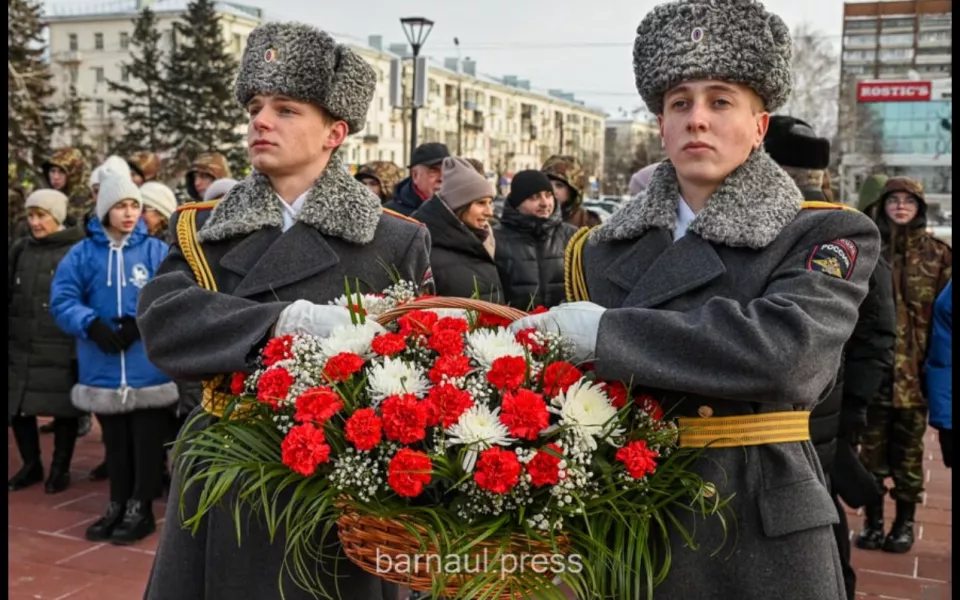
739,316
192,333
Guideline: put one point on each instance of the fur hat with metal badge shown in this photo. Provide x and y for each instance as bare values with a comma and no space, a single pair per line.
736,41
306,64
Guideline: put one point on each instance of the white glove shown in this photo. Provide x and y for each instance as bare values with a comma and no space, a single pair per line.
577,322
306,318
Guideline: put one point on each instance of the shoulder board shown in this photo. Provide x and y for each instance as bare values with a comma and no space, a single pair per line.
574,277
394,213
208,205
824,205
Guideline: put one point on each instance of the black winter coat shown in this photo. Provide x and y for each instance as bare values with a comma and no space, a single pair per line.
406,200
529,257
42,363
461,264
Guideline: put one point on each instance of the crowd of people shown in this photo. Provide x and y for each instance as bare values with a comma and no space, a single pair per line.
733,277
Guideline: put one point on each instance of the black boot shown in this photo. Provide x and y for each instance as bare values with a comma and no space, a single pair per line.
99,473
900,540
101,530
138,523
86,424
64,441
28,443
29,474
871,538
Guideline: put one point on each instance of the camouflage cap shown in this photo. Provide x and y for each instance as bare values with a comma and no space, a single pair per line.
385,172
566,169
213,164
147,164
903,184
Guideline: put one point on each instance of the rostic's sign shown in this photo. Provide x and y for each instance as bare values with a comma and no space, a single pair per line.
894,91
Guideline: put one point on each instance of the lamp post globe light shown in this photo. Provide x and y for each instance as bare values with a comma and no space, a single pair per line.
417,29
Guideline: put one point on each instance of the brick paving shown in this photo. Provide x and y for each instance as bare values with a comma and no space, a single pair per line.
50,560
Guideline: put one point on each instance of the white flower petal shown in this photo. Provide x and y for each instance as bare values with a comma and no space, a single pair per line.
394,377
486,346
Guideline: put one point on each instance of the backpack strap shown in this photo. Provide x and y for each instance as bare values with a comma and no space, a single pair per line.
574,280
190,247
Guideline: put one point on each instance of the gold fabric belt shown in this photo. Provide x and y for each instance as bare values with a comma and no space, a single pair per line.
744,430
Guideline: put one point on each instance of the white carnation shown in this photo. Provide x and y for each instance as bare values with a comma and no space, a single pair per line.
486,346
394,377
355,339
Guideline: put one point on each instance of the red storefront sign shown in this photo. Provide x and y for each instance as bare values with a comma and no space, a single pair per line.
894,91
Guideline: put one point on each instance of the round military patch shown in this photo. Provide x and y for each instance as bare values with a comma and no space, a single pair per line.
271,55
835,258
697,34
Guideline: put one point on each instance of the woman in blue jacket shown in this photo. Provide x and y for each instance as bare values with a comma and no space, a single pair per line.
938,373
94,298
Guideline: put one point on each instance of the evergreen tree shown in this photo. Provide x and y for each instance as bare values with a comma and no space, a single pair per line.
198,102
139,108
31,119
73,126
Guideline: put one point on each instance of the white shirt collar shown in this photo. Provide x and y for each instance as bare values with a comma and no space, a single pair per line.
685,216
290,211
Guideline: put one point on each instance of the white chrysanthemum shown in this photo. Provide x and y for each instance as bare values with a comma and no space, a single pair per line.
351,338
478,428
486,346
587,413
395,377
373,305
456,313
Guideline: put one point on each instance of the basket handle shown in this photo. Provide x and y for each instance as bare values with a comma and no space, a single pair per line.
497,310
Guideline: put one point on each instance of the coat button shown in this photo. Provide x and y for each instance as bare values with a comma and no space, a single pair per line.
705,411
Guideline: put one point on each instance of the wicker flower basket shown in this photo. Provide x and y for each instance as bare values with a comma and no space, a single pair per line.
365,538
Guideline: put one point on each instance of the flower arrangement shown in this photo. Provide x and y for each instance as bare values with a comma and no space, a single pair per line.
460,437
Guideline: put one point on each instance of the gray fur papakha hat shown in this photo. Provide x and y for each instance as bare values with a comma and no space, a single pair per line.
304,63
736,41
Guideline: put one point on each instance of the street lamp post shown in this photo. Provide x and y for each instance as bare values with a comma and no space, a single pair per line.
417,29
456,42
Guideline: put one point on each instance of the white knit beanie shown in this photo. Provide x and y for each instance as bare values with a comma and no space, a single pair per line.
115,188
117,165
219,188
95,176
158,197
52,201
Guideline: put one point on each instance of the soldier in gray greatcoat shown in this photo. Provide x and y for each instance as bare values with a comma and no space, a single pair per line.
721,293
279,247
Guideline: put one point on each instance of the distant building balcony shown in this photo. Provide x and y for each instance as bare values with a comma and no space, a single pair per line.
68,57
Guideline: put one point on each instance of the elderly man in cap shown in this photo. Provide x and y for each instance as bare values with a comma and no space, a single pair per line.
726,297
426,175
279,247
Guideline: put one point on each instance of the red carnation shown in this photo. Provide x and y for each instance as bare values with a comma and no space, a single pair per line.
364,429
638,459
342,366
558,377
317,404
273,386
544,467
238,384
617,392
508,372
444,405
404,419
525,414
389,344
449,366
528,339
485,320
446,342
304,449
650,406
498,470
452,324
417,321
408,472
539,310
277,349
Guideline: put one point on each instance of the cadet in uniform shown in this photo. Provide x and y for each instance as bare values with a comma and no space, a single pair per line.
270,256
715,292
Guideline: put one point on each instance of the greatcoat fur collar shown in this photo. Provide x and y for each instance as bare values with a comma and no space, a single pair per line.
749,209
337,205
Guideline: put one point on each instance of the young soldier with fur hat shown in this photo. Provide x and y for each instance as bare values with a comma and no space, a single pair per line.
724,296
270,256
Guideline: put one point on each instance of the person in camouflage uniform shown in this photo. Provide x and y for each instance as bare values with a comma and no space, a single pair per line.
892,445
66,171
380,176
569,184
206,169
144,167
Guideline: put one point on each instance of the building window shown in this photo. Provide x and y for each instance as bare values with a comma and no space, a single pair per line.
125,73
74,44
381,102
74,74
935,36
100,109
860,25
393,156
896,39
898,23
859,40
98,41
896,54
98,71
237,43
124,40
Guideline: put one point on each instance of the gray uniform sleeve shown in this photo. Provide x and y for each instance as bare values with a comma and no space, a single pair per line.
782,347
191,333
415,265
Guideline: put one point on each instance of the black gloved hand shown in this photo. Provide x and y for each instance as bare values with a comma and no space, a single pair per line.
852,425
105,337
129,332
946,447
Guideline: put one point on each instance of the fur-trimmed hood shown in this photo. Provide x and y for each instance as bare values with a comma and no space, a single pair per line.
337,205
749,209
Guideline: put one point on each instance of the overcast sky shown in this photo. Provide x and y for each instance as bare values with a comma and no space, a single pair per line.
579,46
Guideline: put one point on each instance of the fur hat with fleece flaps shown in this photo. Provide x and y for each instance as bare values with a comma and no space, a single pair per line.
145,164
71,162
306,64
793,145
736,41
566,169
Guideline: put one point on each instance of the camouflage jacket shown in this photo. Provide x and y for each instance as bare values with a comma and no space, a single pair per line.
81,196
